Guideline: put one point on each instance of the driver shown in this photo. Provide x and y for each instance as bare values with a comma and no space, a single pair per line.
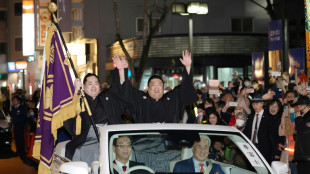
122,148
199,163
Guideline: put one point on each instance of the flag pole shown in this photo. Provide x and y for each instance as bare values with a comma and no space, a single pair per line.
52,7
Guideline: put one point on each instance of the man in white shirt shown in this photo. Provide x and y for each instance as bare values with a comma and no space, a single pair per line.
259,129
199,163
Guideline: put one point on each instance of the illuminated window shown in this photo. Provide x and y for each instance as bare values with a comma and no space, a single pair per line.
18,9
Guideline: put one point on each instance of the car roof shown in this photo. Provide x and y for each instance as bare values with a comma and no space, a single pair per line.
169,126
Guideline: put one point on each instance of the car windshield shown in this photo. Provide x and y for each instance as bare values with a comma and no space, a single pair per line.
161,150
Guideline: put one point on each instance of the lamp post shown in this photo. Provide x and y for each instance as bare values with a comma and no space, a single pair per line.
189,10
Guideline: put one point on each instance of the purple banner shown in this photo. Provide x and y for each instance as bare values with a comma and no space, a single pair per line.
258,67
56,104
275,35
297,61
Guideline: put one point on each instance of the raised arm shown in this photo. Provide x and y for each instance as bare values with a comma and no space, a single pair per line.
186,60
121,64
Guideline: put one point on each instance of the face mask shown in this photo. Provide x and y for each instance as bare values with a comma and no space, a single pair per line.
31,113
246,83
240,122
200,114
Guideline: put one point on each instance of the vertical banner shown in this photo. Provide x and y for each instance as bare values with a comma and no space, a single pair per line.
307,18
57,102
297,61
258,67
275,35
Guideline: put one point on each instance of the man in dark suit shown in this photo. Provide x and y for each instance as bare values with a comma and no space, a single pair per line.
199,162
259,129
122,148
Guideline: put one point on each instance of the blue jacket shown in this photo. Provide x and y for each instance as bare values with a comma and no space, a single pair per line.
187,165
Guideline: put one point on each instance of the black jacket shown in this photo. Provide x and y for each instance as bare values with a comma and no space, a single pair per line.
266,142
302,145
105,108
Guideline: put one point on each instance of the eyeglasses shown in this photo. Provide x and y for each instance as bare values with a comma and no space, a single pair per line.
123,146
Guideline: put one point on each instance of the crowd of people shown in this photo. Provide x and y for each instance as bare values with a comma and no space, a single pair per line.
265,116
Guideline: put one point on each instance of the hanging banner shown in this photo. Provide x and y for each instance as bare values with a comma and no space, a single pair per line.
258,64
307,18
275,35
297,61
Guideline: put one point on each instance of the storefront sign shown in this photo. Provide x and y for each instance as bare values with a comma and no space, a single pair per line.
21,65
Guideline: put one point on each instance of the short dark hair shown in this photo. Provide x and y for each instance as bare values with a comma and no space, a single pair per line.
16,97
154,77
115,139
89,75
291,91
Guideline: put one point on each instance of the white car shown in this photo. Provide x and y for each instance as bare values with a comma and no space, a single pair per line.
159,146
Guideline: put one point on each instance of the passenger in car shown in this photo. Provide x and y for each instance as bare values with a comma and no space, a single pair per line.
122,148
155,106
199,162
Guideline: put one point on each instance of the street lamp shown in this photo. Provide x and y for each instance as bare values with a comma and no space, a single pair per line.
188,10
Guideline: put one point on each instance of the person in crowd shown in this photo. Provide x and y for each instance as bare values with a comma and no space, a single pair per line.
199,162
227,110
212,117
259,129
122,147
290,95
208,103
199,94
201,114
257,88
155,106
241,119
287,129
36,96
231,89
19,119
302,145
216,150
275,110
106,108
6,103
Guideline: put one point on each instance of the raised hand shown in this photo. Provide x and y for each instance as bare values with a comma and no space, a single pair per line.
77,85
118,62
186,60
125,63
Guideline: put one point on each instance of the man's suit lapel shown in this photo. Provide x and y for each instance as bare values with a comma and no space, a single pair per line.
191,164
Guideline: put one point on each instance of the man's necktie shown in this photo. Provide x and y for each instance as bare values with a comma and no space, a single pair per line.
255,131
124,168
201,168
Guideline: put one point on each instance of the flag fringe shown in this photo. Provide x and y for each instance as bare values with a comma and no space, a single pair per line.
66,112
36,150
43,168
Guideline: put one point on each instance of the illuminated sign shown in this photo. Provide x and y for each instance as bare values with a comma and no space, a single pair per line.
28,27
21,65
11,67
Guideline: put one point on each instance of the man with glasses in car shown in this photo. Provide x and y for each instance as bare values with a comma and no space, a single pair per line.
122,148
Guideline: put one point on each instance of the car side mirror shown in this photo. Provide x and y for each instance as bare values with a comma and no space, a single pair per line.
74,167
279,167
